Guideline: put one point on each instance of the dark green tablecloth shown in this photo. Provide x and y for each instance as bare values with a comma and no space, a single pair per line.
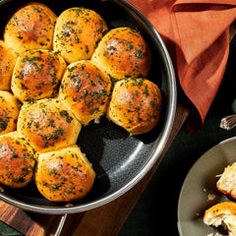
156,211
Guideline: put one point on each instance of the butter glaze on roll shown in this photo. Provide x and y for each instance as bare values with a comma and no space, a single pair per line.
7,64
85,90
17,161
123,53
77,33
31,27
64,175
37,75
135,105
48,125
9,111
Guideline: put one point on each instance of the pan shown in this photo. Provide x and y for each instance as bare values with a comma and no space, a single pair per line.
120,160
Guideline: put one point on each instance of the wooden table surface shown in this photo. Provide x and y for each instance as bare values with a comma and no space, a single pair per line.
106,220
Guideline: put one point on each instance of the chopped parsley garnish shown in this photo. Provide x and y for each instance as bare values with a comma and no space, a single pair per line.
138,53
66,115
3,124
52,137
129,46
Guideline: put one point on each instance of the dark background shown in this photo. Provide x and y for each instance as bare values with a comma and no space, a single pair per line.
156,210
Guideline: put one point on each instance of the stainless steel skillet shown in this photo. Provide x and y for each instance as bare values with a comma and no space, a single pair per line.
120,160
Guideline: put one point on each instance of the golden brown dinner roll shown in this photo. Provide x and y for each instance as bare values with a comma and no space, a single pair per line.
31,27
64,175
224,214
77,33
135,105
17,160
227,181
9,110
85,90
37,75
7,63
123,53
48,125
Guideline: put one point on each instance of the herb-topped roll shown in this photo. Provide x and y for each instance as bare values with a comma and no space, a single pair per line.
48,125
85,90
7,64
135,105
64,175
123,53
77,33
17,160
37,75
31,27
9,110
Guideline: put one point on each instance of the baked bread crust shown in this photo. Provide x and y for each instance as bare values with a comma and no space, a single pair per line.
77,33
85,90
135,105
224,214
9,111
48,125
31,27
17,161
227,181
64,175
123,53
7,64
37,74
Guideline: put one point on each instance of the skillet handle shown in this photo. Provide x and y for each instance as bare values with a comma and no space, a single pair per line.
61,225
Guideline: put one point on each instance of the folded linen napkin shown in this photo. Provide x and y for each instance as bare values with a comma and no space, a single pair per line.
196,33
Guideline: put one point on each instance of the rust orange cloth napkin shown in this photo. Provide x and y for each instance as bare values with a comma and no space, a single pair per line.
196,33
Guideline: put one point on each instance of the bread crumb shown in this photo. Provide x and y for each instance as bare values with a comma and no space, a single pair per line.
97,121
211,196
